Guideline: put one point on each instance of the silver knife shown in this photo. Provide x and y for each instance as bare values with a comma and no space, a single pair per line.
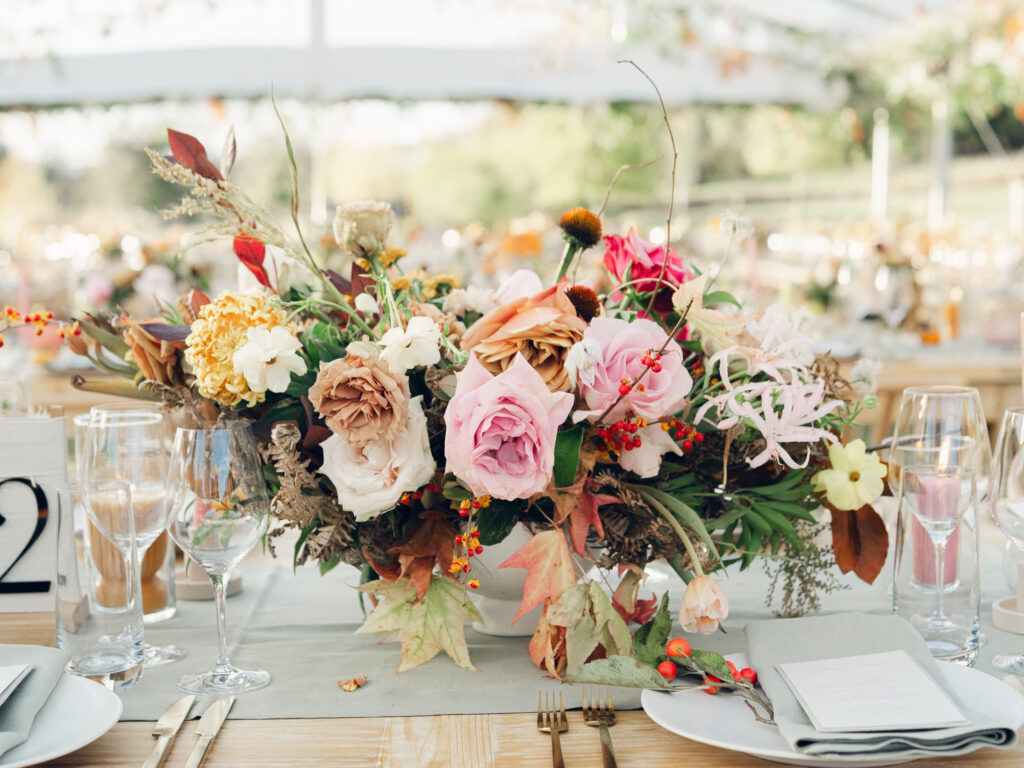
209,725
166,728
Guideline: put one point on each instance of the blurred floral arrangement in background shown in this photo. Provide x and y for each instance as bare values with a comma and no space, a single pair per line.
409,423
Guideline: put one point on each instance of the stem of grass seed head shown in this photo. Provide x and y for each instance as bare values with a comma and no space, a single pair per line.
725,258
668,340
352,314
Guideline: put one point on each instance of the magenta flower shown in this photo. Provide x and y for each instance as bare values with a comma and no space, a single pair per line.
643,261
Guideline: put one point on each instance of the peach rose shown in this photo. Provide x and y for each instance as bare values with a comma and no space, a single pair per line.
541,328
704,606
360,397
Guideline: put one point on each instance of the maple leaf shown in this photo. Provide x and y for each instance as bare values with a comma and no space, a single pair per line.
429,544
549,569
624,598
584,516
423,627
717,329
591,624
189,152
251,252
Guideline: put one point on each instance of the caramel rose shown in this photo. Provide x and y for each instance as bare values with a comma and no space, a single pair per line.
360,398
541,328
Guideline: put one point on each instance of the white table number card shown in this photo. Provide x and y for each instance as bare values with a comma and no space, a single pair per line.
876,692
33,467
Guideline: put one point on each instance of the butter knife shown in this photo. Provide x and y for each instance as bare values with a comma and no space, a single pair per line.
209,725
166,729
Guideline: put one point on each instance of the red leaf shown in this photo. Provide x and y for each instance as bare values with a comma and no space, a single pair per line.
583,516
430,544
197,300
251,252
624,598
549,564
188,152
859,541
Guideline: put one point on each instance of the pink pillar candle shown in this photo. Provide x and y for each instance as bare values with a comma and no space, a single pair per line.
939,497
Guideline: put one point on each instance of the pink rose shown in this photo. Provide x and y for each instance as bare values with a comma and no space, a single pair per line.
704,606
623,346
643,261
500,430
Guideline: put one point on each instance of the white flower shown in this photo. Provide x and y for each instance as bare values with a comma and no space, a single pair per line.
863,376
362,226
582,360
472,299
519,285
737,227
645,461
704,606
371,478
269,359
413,346
781,337
366,304
284,272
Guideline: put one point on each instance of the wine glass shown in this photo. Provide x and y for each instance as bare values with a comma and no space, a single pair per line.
128,445
219,511
937,497
949,424
14,399
1006,501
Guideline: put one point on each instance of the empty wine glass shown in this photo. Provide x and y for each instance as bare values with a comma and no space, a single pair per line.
14,397
128,445
937,497
219,511
1006,501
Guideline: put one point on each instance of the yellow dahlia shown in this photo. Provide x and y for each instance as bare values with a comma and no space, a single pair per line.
219,331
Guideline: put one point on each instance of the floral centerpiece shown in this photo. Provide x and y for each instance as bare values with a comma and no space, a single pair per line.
409,424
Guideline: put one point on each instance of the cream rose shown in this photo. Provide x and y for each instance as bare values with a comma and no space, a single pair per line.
362,227
371,478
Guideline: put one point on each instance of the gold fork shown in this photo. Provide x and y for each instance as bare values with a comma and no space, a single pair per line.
553,721
599,711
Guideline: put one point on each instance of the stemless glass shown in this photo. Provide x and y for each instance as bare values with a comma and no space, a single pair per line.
104,642
1006,501
128,445
220,511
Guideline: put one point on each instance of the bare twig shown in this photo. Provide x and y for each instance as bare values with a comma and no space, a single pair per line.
615,179
672,190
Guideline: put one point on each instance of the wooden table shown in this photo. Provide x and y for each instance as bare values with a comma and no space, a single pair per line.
439,741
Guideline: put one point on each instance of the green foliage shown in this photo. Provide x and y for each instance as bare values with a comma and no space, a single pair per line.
649,640
496,521
567,455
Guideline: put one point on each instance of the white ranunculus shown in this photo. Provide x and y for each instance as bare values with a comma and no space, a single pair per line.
645,461
371,478
268,359
413,346
366,304
362,226
581,361
519,285
471,299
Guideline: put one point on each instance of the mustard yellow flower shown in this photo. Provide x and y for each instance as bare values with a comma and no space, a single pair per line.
218,332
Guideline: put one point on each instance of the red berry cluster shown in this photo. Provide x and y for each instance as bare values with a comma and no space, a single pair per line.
622,435
407,498
679,648
689,435
12,318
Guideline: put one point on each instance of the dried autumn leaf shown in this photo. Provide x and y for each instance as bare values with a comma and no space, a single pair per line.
625,597
228,153
549,569
584,516
430,544
352,683
189,152
547,646
425,627
859,541
591,624
251,252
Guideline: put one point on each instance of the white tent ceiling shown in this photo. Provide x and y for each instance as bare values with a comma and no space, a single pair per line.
107,51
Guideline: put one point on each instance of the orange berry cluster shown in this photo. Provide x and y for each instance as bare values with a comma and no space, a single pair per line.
12,318
480,502
417,495
689,435
622,435
467,545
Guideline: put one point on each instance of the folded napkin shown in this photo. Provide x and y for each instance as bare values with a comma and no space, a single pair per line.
18,712
782,641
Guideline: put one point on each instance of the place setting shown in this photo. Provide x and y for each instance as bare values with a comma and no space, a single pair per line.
631,384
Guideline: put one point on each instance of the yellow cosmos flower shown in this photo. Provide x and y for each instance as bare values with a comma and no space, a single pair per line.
217,334
855,478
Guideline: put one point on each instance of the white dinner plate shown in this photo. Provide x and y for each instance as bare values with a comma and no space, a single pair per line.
77,713
726,722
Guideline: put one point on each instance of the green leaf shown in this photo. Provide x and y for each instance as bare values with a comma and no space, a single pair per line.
283,410
620,671
496,521
452,490
329,564
567,455
115,344
711,663
323,342
720,297
649,641
686,516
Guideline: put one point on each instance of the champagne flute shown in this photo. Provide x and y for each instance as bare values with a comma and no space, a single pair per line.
1006,502
128,445
937,497
219,511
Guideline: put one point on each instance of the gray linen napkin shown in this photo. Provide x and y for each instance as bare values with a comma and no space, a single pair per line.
18,712
813,638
